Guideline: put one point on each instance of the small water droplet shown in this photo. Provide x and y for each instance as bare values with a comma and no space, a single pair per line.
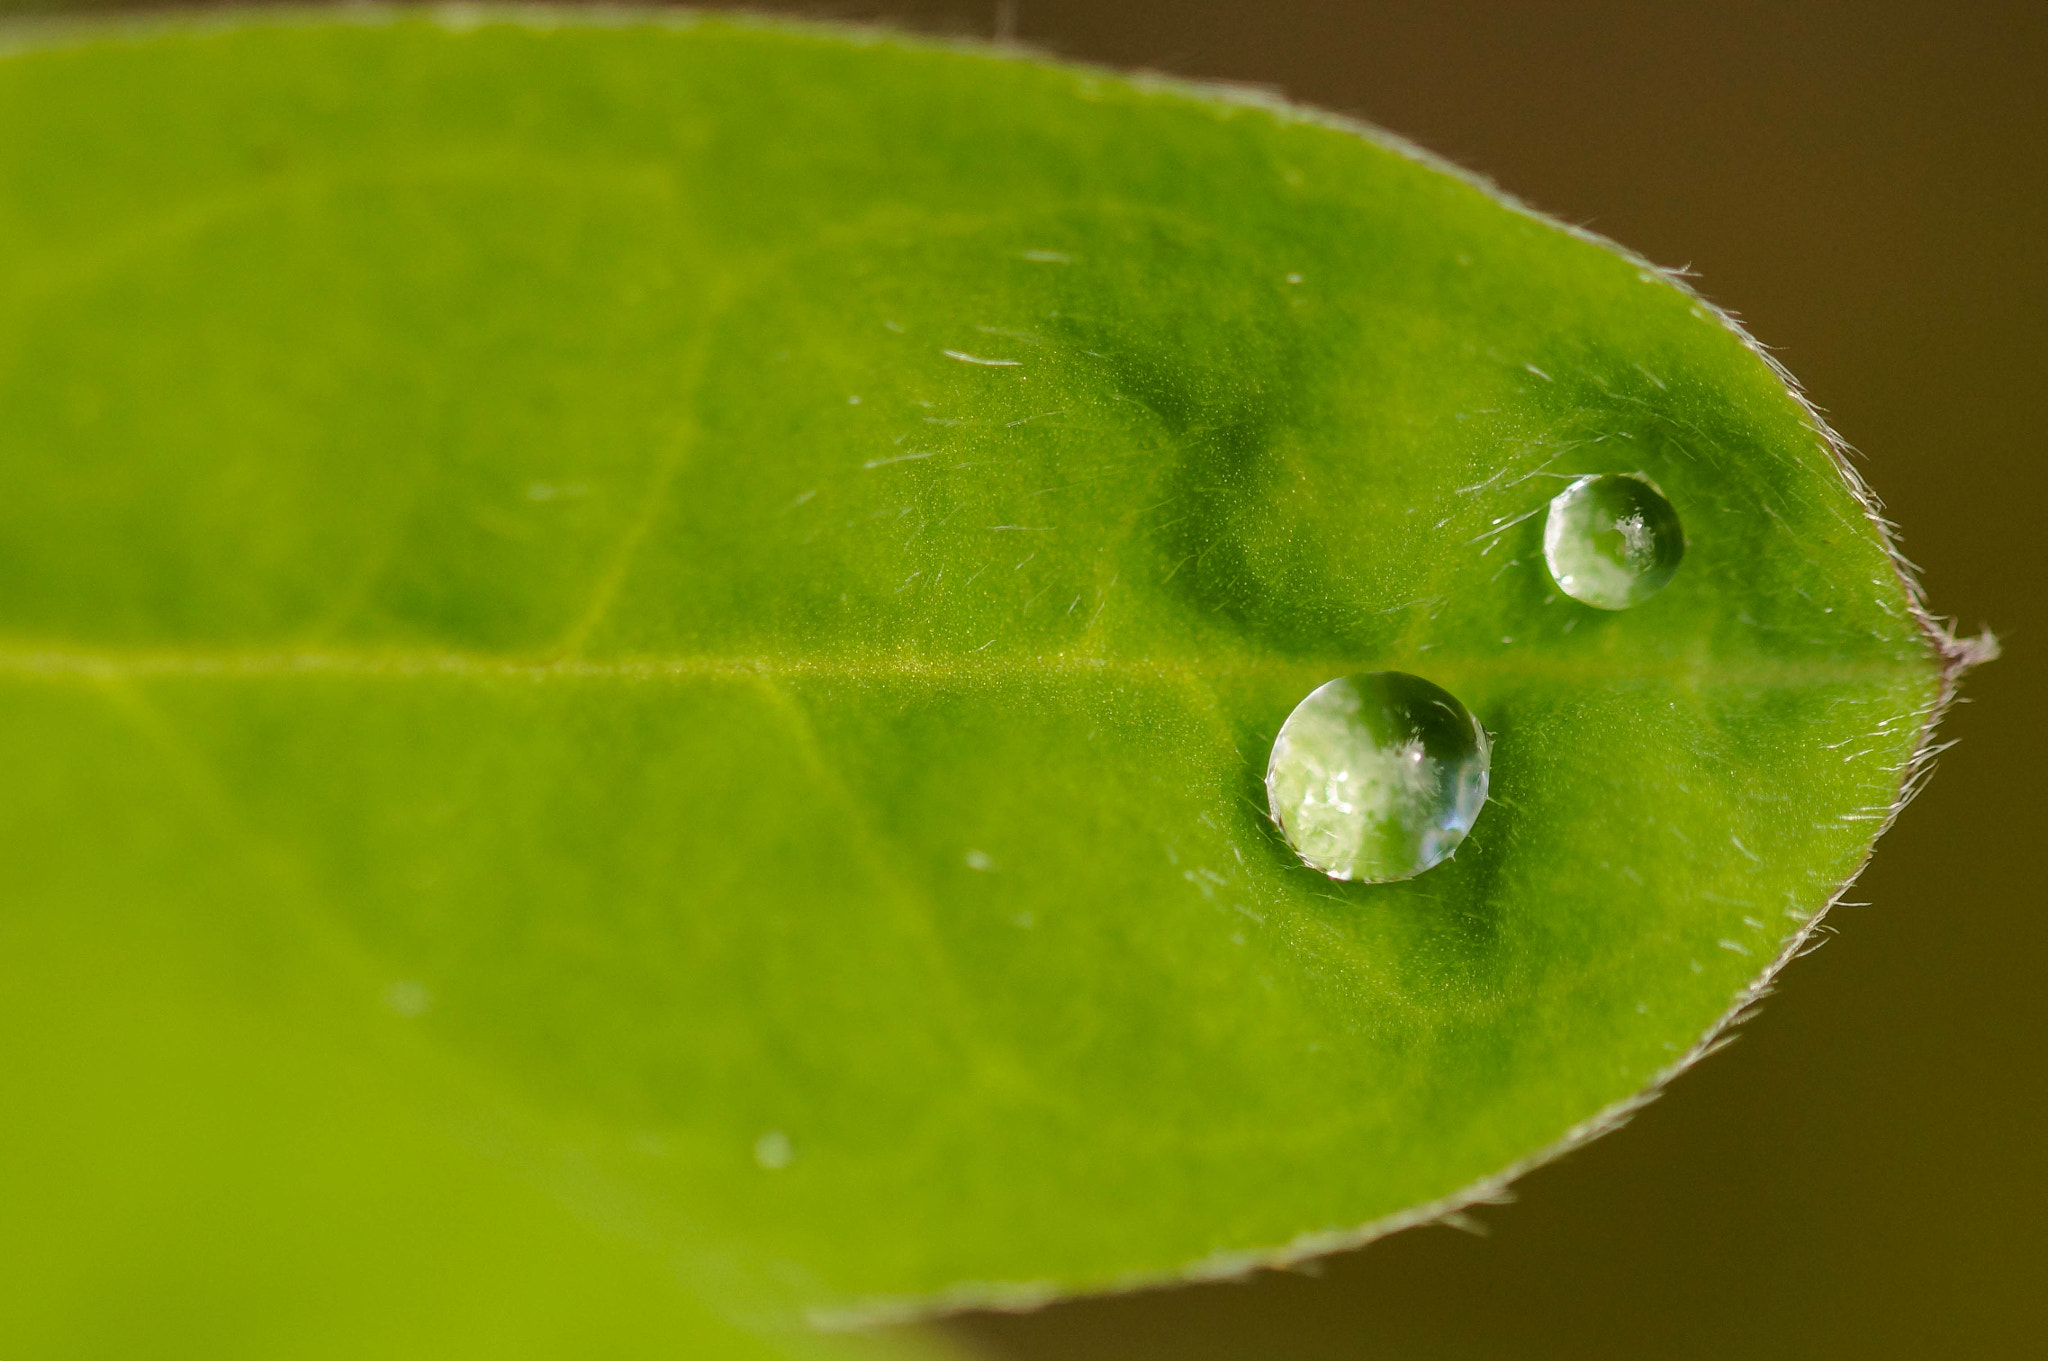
1378,776
1612,540
408,997
773,1150
980,860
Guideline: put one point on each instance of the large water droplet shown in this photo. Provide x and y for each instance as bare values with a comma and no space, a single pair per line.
1612,540
1378,776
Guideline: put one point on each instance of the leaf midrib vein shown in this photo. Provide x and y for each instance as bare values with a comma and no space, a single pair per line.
59,663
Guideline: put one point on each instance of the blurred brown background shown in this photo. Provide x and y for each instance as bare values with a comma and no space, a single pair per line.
1867,185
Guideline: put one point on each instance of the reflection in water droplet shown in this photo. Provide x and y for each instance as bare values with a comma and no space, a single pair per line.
1612,541
1378,776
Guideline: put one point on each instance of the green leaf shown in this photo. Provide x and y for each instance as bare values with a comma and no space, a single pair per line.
693,613
188,1176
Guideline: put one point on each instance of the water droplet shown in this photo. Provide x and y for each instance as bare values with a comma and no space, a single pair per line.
773,1150
1377,777
1612,540
408,997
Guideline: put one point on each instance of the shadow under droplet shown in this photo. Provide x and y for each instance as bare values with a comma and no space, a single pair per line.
1449,914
